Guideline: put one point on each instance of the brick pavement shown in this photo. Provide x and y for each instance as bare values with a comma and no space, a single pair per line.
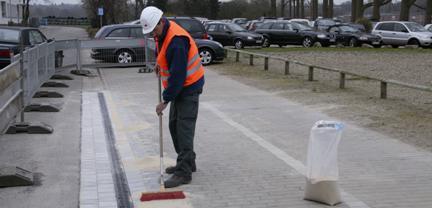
251,149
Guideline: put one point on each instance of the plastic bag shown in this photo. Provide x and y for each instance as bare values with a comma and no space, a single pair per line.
322,168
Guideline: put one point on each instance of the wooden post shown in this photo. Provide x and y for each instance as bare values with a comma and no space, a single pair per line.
251,60
383,90
266,63
342,80
237,56
311,71
287,65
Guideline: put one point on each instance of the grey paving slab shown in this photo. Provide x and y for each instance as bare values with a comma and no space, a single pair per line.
251,149
97,186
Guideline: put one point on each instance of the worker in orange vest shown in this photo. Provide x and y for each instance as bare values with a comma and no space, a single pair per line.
179,67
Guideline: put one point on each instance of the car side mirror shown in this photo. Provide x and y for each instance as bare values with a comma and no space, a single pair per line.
405,30
296,30
229,31
50,40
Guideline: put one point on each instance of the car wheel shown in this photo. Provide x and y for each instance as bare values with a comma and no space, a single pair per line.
414,42
206,56
238,44
353,42
266,43
124,57
307,42
394,46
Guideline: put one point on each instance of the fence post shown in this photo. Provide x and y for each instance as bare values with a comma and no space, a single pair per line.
22,84
237,56
266,63
251,60
311,71
342,80
78,48
383,90
287,65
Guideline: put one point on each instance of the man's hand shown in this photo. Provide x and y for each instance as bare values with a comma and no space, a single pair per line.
157,70
160,107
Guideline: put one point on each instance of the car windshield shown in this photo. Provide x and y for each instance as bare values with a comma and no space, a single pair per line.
10,36
348,29
414,27
302,23
236,28
301,26
326,22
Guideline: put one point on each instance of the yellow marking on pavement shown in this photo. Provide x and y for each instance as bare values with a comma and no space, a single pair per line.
175,203
136,127
147,163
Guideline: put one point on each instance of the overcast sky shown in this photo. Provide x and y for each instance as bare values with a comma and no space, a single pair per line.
79,1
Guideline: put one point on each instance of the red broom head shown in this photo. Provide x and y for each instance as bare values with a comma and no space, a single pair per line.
162,195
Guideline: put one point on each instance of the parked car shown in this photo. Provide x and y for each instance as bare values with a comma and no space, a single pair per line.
253,25
304,22
400,33
230,34
210,51
428,27
350,36
284,32
324,24
240,21
10,40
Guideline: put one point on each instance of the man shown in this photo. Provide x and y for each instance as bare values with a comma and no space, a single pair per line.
179,67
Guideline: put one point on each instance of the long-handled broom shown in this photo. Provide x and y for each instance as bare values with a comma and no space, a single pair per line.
162,194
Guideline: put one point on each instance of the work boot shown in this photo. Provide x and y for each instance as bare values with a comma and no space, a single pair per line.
172,169
175,181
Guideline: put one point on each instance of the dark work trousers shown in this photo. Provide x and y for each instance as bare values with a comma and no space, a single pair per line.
182,119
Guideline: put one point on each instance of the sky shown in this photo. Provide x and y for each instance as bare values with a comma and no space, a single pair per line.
79,1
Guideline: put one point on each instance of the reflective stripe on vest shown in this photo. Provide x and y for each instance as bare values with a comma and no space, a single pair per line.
194,68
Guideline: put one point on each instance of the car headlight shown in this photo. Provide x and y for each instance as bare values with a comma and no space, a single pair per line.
321,36
250,38
363,38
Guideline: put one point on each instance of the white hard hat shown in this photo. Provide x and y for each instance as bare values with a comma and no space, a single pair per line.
150,17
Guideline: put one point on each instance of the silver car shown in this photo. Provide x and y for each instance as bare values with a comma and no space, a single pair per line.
399,33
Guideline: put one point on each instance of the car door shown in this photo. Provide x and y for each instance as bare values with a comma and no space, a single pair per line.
277,33
136,33
401,34
292,34
216,33
385,30
227,36
336,32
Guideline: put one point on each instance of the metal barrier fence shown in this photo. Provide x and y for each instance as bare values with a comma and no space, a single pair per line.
20,80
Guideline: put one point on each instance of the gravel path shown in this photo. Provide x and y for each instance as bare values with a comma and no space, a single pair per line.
406,114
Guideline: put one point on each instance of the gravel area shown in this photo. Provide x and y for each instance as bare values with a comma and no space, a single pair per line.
407,65
406,114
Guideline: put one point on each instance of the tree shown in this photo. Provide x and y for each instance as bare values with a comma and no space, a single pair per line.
405,9
325,8
428,14
314,9
354,10
282,6
214,9
302,9
273,8
330,8
26,12
139,6
161,4
377,4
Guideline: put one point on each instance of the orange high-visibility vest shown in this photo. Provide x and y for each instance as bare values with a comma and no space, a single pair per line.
194,68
